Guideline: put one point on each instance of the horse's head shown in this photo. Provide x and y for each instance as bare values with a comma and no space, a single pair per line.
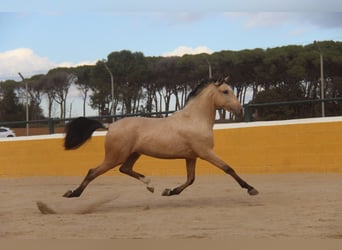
225,98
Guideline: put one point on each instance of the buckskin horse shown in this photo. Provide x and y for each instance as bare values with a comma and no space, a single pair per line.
187,134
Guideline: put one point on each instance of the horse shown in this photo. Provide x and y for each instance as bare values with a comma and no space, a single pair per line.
186,134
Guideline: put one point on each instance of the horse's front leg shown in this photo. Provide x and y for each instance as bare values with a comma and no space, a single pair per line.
190,169
212,158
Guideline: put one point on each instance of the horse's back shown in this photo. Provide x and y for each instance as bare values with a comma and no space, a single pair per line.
135,124
135,129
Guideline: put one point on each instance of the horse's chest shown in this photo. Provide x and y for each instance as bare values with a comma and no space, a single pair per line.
206,141
198,141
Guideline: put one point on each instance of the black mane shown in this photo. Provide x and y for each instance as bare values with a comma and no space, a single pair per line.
202,85
197,90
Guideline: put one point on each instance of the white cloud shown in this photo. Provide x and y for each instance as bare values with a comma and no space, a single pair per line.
25,61
183,50
22,60
71,64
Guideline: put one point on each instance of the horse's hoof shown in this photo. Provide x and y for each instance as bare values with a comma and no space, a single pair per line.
151,189
253,192
166,192
68,194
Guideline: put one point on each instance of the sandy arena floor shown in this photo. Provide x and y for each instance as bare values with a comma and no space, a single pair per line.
303,206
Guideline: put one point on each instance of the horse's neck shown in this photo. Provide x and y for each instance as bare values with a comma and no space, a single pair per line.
201,109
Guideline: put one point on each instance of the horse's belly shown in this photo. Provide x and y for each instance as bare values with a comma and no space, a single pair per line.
167,150
168,155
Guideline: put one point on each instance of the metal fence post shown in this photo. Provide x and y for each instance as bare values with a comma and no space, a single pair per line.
247,114
51,126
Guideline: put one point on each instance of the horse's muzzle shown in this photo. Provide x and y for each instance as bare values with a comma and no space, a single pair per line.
239,114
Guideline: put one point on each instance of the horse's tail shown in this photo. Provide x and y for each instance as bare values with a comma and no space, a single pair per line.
78,131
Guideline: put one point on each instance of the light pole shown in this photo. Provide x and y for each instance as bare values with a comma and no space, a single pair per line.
27,110
322,79
209,69
112,86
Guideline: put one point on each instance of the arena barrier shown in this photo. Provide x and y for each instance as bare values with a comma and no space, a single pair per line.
305,145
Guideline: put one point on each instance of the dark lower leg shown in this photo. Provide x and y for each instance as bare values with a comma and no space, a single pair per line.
190,168
78,191
127,168
177,190
91,175
212,158
251,190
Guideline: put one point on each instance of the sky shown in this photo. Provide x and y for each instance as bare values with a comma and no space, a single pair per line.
38,35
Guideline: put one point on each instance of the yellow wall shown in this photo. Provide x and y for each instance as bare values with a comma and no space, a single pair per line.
311,147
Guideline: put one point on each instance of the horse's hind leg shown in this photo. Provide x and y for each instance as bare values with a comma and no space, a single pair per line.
190,169
127,168
92,174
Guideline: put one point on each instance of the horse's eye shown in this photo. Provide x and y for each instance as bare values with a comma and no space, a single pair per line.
226,92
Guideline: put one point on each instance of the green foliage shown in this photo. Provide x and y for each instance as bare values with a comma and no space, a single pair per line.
10,107
143,83
280,93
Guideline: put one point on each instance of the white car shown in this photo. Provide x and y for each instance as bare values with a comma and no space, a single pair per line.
6,132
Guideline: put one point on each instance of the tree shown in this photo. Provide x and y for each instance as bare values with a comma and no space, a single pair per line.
60,80
49,90
100,86
35,90
130,72
10,107
143,83
83,82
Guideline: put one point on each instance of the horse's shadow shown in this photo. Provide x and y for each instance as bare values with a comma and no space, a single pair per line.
114,203
177,202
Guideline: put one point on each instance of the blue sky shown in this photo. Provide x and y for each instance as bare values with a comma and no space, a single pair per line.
38,35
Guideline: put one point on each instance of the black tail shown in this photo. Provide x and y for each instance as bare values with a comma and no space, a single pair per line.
78,131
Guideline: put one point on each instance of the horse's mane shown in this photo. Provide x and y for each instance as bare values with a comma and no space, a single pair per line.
202,85
197,90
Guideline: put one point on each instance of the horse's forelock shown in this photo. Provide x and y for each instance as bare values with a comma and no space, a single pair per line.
221,81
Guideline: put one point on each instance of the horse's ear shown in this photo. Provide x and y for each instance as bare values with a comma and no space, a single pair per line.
222,80
219,82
